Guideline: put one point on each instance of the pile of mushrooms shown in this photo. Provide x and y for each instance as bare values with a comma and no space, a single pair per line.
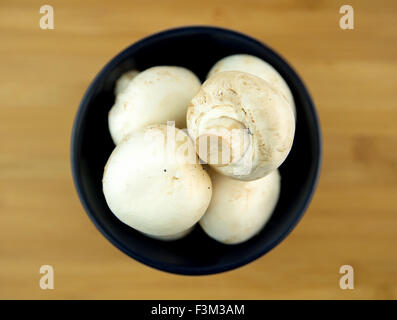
189,153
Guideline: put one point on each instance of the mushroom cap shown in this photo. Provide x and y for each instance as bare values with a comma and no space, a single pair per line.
156,95
239,209
154,184
172,237
257,67
237,102
124,81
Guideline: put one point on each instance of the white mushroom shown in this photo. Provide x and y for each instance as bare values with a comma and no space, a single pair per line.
154,183
251,125
239,209
156,95
172,237
124,81
257,67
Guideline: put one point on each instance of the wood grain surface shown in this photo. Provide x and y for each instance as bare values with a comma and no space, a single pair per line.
351,220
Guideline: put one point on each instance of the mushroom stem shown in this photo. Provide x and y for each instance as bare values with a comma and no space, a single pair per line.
223,141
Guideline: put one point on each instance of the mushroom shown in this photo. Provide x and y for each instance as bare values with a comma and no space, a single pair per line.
257,67
239,209
172,237
250,125
153,182
154,96
124,81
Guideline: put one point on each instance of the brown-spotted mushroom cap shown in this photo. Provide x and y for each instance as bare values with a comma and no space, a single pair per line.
156,95
239,209
153,182
252,124
257,67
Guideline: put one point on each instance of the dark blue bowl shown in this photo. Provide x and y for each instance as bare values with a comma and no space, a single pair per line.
195,48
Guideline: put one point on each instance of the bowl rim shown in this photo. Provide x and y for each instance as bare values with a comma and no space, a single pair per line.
76,143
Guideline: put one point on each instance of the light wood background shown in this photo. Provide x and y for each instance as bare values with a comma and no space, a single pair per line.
352,218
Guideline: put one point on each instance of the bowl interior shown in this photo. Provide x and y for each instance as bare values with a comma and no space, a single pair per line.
195,48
